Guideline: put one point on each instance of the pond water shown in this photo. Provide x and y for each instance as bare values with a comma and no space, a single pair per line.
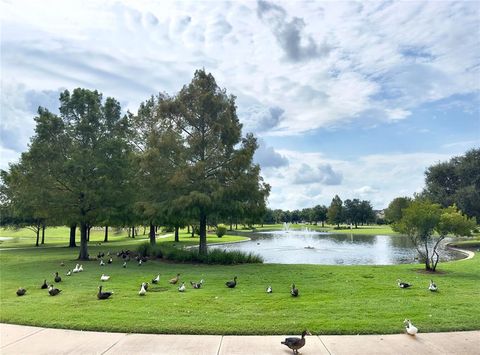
297,247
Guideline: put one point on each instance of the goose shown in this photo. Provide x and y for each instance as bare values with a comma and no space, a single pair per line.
182,288
69,273
433,287
232,284
409,327
76,269
57,278
269,289
142,291
104,277
44,285
21,291
197,285
403,284
103,295
53,291
102,263
80,269
110,261
124,264
156,279
295,343
140,262
294,291
62,264
175,279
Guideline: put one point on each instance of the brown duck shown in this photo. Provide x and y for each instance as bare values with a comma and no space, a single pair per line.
175,279
295,343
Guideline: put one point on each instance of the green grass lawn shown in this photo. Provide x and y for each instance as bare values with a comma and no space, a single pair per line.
333,299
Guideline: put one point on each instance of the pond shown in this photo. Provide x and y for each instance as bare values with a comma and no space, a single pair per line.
307,247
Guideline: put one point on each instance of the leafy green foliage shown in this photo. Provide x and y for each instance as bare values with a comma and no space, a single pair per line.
335,211
221,230
394,211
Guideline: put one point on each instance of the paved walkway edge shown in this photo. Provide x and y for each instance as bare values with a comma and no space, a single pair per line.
17,339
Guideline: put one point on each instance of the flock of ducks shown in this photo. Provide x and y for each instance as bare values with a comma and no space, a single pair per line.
294,343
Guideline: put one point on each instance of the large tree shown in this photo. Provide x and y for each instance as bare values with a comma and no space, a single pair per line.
456,181
81,157
216,155
335,213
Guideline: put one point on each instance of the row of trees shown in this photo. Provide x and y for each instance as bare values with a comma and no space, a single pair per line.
180,160
353,212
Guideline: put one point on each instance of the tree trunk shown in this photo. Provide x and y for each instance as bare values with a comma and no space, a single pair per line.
236,225
231,225
193,231
106,235
88,232
133,232
202,248
323,224
38,236
176,234
151,234
43,233
188,229
144,230
73,228
83,241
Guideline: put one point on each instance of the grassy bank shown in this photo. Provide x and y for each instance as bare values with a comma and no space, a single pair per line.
333,299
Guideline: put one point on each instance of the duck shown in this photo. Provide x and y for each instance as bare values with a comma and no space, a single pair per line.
146,285
182,288
124,265
142,291
53,291
57,277
69,273
21,291
294,291
76,269
103,295
140,262
44,285
197,285
110,260
102,263
62,264
80,269
156,279
100,255
295,343
104,277
433,287
269,289
231,284
175,279
409,327
403,284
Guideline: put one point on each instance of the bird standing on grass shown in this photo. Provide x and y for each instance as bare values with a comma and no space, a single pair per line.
182,288
295,343
102,263
57,278
231,284
175,279
21,291
197,285
156,279
294,291
432,286
44,285
104,277
142,291
103,295
269,289
53,291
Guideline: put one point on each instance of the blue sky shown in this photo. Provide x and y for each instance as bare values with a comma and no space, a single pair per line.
348,98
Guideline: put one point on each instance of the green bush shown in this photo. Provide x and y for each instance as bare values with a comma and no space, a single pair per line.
221,230
214,256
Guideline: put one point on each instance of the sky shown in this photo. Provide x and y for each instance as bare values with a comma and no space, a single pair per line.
348,98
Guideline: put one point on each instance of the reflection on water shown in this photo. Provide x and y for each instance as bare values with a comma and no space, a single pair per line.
333,249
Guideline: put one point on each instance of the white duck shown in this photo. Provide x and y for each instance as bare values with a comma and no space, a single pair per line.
409,327
182,288
142,291
269,289
124,264
156,279
80,269
104,277
102,263
76,269
69,273
432,286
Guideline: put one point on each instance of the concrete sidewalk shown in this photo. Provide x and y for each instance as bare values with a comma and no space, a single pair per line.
16,339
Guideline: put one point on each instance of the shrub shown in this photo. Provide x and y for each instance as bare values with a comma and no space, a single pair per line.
221,230
214,256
